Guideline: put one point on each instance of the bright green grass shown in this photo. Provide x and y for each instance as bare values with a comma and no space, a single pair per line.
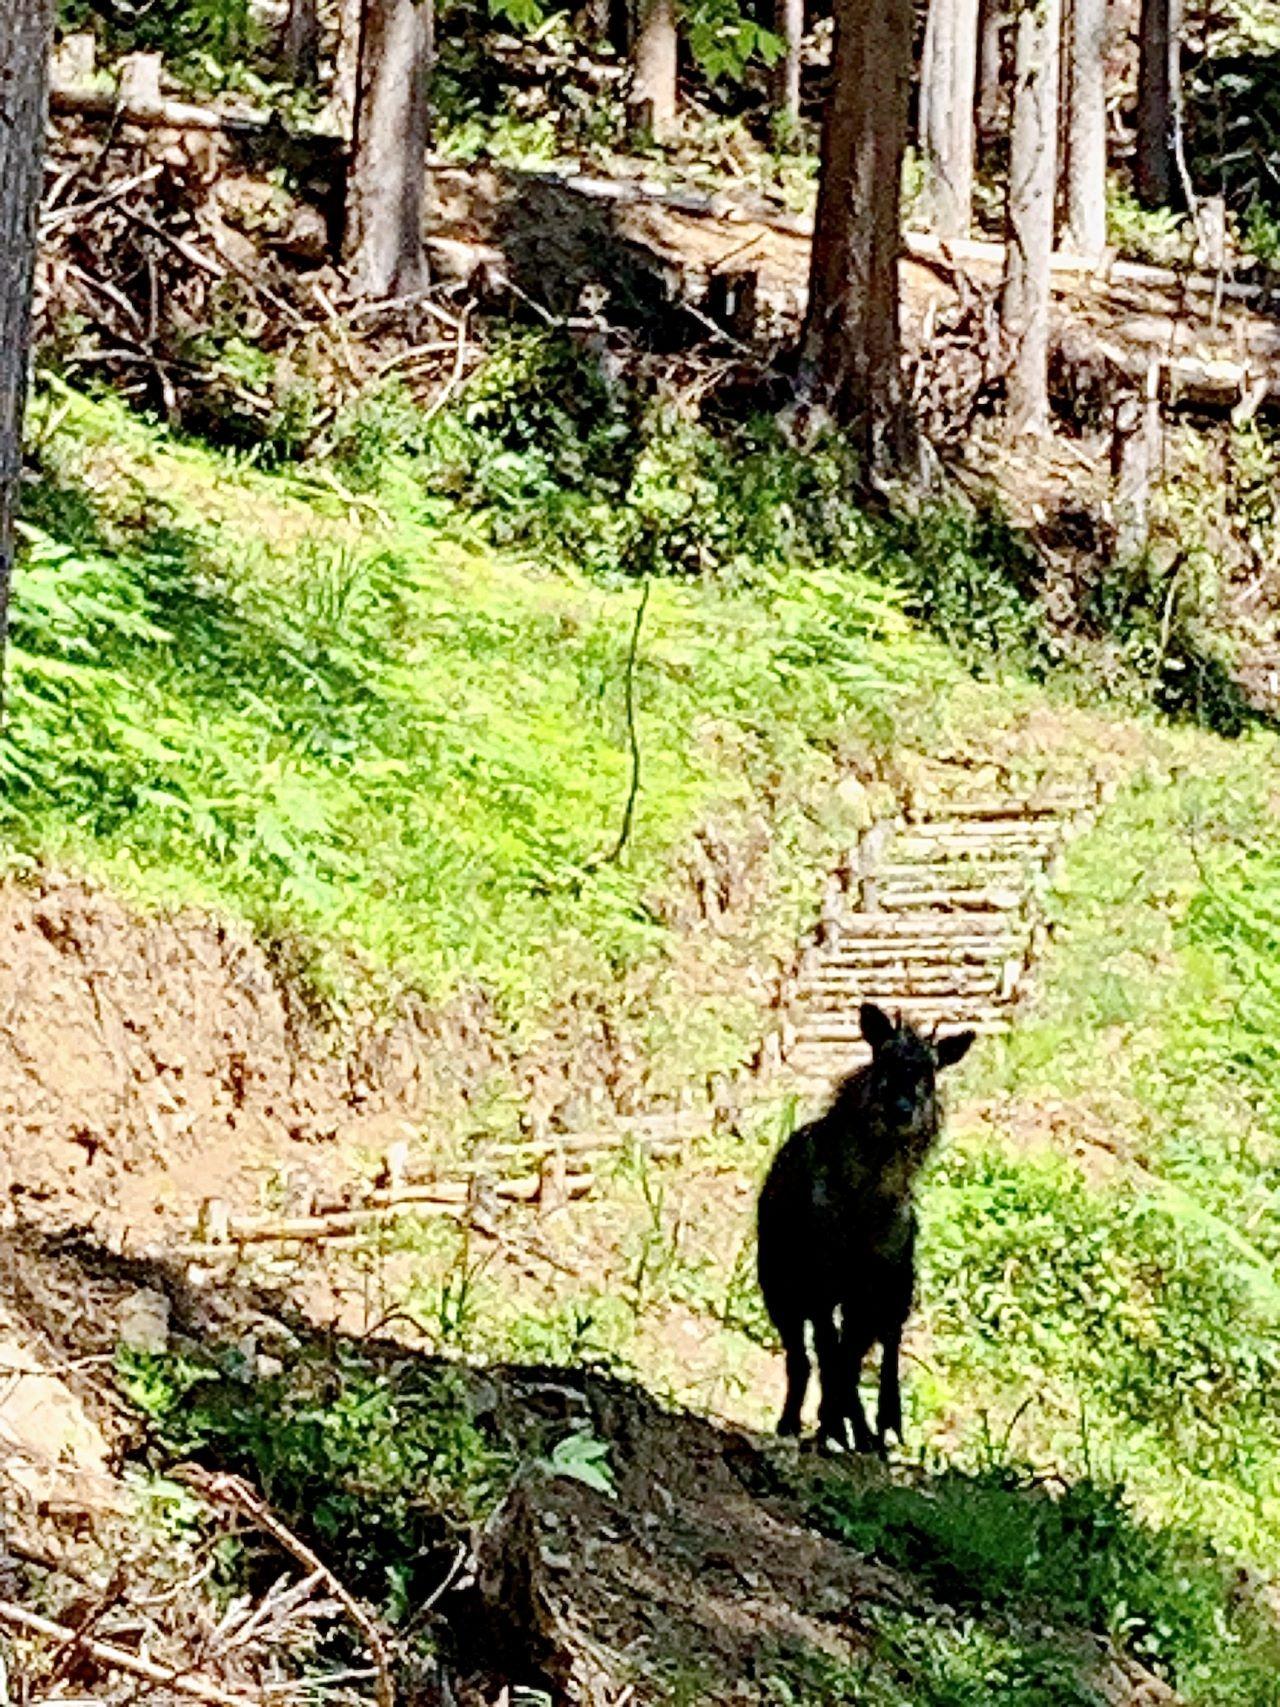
344,719
1100,1257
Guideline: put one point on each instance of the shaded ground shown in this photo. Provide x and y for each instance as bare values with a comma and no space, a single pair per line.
685,1562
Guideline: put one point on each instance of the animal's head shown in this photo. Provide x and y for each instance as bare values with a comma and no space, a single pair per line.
903,1076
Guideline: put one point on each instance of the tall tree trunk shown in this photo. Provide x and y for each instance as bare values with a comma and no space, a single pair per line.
654,60
948,76
1159,74
1086,128
26,31
346,70
788,23
386,189
991,67
301,43
851,345
1033,177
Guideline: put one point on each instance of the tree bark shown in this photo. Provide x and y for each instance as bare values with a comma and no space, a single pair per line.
302,41
1033,173
26,32
991,67
346,70
1159,74
851,346
654,61
386,188
948,77
788,22
1086,127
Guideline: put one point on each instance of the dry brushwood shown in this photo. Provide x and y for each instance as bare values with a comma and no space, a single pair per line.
21,1618
161,253
231,1491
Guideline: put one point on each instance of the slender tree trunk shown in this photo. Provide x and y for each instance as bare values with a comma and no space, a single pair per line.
1033,177
948,76
1086,128
991,67
26,31
386,190
851,347
788,23
302,41
654,59
607,23
1159,74
346,70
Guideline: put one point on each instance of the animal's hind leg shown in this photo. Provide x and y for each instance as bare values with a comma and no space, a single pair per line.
855,1342
889,1408
798,1369
840,1403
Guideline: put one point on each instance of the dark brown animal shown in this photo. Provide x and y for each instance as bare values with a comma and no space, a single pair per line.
837,1228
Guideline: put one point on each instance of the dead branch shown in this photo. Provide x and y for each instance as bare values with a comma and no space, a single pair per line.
231,1491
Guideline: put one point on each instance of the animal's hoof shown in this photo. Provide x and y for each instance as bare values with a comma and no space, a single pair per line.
833,1436
789,1427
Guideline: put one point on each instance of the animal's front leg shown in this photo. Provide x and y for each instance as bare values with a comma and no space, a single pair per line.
797,1376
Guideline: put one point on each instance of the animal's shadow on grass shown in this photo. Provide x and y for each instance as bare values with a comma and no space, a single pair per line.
560,1529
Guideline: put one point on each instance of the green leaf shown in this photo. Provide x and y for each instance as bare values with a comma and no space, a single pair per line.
584,1458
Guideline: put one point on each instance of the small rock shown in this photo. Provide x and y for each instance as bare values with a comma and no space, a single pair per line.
855,799
144,1321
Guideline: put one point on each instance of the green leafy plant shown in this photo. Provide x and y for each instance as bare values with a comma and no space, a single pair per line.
584,1458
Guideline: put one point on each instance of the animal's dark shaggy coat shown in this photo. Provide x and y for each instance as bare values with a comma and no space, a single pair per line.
837,1227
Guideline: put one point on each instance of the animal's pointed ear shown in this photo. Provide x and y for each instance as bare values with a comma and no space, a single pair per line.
949,1050
877,1027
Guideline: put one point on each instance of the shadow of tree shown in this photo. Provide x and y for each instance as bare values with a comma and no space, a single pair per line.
223,649
616,1545
1232,110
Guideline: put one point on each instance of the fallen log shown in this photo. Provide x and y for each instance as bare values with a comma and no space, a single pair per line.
162,114
919,245
444,1197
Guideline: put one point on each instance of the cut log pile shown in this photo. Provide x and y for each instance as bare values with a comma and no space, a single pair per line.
940,924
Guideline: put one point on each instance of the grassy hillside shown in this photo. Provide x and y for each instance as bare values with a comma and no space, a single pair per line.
344,715
379,710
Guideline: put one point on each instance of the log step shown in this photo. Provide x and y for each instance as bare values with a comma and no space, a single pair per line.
903,897
922,845
847,1033
856,984
925,925
999,809
865,953
841,1021
956,874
